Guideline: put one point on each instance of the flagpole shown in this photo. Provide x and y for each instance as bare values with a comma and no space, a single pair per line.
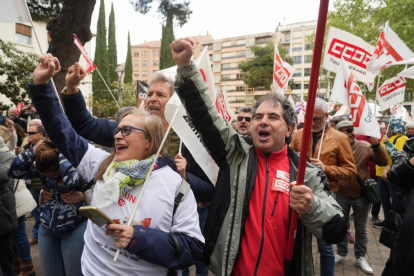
108,88
320,146
376,93
41,51
134,210
316,62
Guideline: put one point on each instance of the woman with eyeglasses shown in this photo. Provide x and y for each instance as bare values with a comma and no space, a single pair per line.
62,226
158,240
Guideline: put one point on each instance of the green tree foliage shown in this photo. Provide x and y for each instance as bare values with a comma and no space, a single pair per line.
166,59
101,58
17,67
112,52
259,70
43,10
128,64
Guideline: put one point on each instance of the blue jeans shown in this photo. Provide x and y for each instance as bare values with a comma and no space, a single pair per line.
35,212
387,193
327,258
201,270
60,253
21,245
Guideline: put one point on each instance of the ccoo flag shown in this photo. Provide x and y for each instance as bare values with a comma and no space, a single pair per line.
347,92
282,72
91,65
14,11
391,92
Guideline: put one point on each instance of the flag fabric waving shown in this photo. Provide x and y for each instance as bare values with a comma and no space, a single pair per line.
408,73
223,106
14,11
347,92
340,111
302,112
401,112
91,65
282,72
353,49
391,92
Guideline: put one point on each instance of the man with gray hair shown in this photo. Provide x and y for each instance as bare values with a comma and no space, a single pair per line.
409,129
13,116
331,151
244,120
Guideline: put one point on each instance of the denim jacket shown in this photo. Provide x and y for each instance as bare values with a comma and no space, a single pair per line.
55,215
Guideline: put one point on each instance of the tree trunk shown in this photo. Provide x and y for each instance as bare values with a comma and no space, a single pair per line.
75,18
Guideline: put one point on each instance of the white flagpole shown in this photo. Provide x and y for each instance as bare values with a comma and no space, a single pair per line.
41,51
180,146
146,180
107,87
376,94
320,146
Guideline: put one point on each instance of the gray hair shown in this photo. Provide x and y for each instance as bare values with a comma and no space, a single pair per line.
161,77
245,110
321,104
122,111
35,122
410,125
289,114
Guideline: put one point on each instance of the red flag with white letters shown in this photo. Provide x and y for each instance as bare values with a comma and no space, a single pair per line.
91,65
347,92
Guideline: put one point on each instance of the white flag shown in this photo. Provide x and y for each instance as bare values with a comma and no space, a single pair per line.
401,112
341,111
282,72
391,92
331,106
353,49
302,112
14,11
390,50
408,73
223,106
290,99
347,92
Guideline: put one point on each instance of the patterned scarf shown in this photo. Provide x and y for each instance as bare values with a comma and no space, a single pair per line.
136,172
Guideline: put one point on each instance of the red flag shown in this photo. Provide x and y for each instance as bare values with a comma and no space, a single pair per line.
19,107
91,65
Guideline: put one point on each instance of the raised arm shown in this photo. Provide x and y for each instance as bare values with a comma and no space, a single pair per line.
99,131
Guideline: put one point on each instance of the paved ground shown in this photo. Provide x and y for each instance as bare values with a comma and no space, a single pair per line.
377,254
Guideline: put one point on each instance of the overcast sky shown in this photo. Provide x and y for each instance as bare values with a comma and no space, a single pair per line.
221,18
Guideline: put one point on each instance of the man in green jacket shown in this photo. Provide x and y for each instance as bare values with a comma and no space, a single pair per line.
248,223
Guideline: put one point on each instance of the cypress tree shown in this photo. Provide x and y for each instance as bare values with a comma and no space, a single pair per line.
101,58
112,52
128,63
166,59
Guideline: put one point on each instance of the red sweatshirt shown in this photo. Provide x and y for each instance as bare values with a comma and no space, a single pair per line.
264,243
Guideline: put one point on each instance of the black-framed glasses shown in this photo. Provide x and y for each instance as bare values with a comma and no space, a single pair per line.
247,119
348,130
126,130
32,133
317,119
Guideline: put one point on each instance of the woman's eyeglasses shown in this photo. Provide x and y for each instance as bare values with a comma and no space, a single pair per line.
247,119
126,130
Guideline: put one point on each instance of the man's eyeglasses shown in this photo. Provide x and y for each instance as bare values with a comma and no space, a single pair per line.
32,133
348,130
247,119
317,120
126,130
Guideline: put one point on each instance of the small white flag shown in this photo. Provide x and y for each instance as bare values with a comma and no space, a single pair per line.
14,11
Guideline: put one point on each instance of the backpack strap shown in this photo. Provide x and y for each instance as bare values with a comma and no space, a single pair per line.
396,138
180,194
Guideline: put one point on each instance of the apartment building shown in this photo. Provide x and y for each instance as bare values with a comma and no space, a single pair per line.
22,35
146,57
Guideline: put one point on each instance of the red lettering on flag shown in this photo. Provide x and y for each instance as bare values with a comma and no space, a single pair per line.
351,53
356,100
204,75
281,75
391,87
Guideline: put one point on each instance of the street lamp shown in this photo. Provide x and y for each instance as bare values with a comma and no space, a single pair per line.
119,70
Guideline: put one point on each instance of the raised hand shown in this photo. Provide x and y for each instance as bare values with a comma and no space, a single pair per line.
74,76
181,164
182,51
47,68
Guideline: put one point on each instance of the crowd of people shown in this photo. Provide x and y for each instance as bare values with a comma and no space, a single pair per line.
53,163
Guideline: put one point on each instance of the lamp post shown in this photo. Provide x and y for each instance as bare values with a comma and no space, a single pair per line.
119,70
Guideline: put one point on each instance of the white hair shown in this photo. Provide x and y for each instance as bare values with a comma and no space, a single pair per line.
410,125
321,104
35,122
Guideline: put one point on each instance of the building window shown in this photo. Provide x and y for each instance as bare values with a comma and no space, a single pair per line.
287,49
136,63
23,34
136,73
155,63
250,41
307,72
136,54
241,54
225,55
144,73
155,53
226,44
241,42
249,54
226,66
144,53
216,78
216,68
217,57
297,34
309,32
217,46
308,59
297,47
297,74
297,59
240,88
298,86
144,64
306,85
307,47
225,77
